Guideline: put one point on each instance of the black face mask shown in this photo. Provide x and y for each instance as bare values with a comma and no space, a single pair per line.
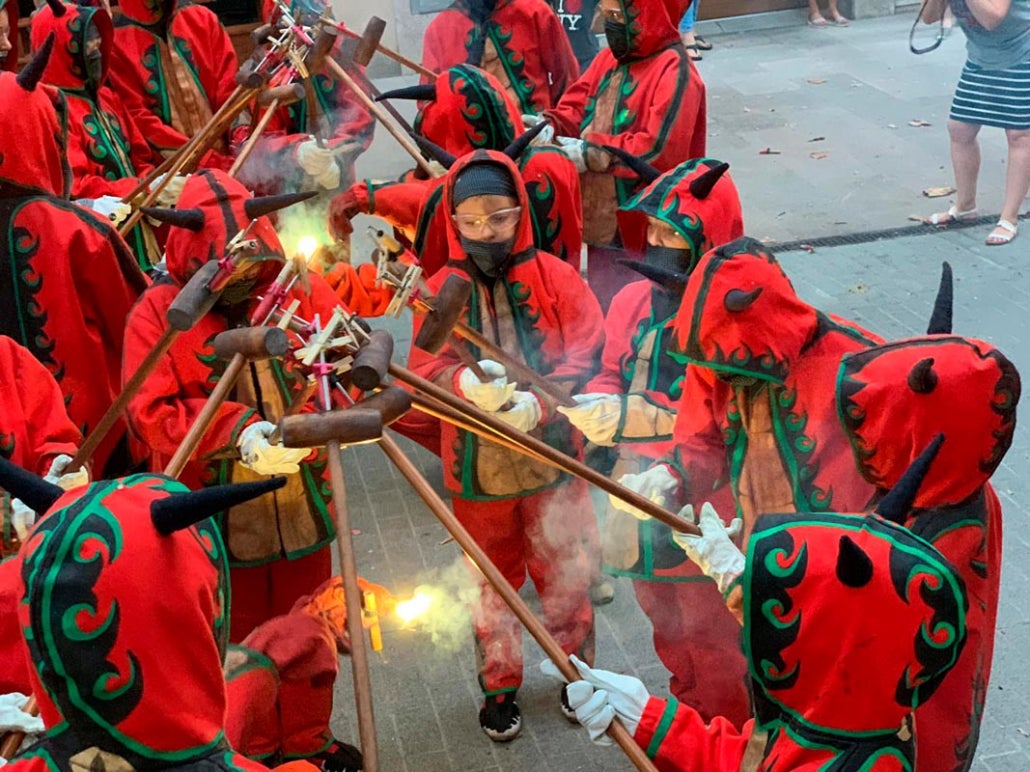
618,38
489,256
665,301
672,258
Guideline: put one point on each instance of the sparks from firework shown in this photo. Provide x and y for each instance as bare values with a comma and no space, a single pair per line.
416,607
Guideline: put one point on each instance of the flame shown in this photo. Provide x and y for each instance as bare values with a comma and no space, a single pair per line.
307,246
417,606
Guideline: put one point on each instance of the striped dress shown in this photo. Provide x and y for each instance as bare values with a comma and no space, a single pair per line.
994,89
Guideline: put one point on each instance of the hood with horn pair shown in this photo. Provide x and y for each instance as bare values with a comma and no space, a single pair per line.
116,576
36,117
447,160
896,608
211,210
465,109
697,199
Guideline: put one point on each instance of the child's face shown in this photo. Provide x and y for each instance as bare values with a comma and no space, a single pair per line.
487,218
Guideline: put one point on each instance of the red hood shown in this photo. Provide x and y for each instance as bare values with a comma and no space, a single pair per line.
98,614
147,12
524,232
221,199
888,604
705,222
893,409
761,339
11,63
67,66
472,110
653,26
39,121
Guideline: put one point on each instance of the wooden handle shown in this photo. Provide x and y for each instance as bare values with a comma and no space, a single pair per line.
372,361
13,740
194,300
352,596
503,588
286,94
389,52
391,403
540,448
255,136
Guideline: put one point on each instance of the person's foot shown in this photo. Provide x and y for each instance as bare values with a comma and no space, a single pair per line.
566,709
338,757
839,19
952,216
692,52
602,592
817,21
702,44
500,717
1003,233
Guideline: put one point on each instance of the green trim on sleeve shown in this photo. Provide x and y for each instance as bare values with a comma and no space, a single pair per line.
663,728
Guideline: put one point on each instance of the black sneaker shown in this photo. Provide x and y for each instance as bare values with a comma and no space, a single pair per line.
566,709
500,717
338,757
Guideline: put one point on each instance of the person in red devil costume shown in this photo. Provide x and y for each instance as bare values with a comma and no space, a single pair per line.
467,109
754,409
519,42
894,398
173,67
631,404
526,516
330,112
9,35
35,433
71,279
126,647
642,95
278,549
107,153
891,606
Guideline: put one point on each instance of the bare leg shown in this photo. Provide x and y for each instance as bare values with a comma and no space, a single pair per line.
1017,181
814,16
965,159
834,14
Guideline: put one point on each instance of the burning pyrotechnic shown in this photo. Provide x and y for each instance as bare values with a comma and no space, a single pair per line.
307,246
418,606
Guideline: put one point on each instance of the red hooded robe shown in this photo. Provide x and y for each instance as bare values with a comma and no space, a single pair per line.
519,42
71,280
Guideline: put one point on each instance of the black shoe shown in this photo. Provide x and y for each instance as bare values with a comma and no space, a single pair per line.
339,757
566,709
500,717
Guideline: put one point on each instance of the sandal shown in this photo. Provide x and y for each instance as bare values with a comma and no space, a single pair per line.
817,21
692,53
1009,231
839,21
953,215
702,44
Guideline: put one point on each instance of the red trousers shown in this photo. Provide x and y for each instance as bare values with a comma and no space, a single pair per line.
543,535
698,640
262,592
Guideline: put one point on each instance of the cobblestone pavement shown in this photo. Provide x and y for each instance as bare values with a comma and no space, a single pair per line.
761,94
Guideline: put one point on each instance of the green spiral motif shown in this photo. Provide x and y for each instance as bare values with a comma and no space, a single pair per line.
782,564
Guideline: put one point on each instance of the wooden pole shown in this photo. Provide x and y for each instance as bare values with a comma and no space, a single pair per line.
559,459
389,52
380,114
12,742
207,414
355,628
252,140
482,561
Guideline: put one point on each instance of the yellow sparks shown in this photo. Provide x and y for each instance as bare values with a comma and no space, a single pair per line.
417,606
307,246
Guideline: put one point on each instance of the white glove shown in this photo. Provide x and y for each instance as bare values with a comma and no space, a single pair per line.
601,696
713,551
529,120
66,481
596,415
14,719
319,163
546,135
655,484
22,518
261,457
111,207
576,150
525,412
169,196
489,396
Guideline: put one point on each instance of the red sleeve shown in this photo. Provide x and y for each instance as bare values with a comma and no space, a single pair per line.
434,48
700,455
567,115
51,431
221,58
165,406
559,58
433,366
617,340
399,203
356,289
677,738
582,325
